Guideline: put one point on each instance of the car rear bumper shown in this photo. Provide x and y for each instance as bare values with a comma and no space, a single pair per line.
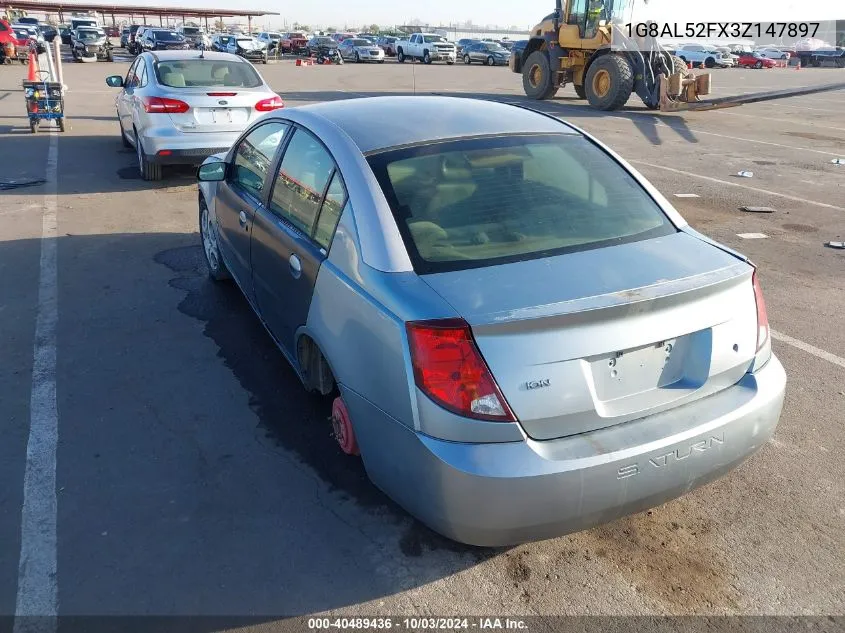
185,149
508,493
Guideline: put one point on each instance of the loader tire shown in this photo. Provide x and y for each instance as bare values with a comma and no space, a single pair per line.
609,82
678,65
537,80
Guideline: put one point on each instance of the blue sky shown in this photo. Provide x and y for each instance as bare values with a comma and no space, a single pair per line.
522,13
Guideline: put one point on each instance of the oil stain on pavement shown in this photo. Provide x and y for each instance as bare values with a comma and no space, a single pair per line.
290,419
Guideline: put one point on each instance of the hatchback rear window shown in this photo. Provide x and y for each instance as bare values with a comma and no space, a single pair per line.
486,201
206,73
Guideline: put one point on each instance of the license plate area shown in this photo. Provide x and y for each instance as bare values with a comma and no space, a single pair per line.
634,371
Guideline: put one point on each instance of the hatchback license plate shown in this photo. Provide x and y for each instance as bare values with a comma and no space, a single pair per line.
221,115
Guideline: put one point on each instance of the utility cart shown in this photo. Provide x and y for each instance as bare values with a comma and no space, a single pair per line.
44,100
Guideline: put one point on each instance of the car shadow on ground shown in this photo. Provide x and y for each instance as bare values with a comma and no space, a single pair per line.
646,121
211,495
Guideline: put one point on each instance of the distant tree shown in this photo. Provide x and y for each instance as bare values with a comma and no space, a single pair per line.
331,29
220,25
373,28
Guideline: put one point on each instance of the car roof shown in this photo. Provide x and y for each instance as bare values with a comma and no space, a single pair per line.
376,123
166,56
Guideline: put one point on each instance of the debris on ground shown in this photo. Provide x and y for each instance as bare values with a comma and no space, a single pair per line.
746,174
757,209
839,245
5,185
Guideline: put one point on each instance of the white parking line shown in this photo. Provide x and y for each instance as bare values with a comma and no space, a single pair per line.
810,349
736,184
37,581
790,121
752,236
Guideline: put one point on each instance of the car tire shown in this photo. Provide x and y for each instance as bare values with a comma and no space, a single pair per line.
357,58
61,123
467,60
400,56
426,57
758,65
537,77
616,71
491,61
149,171
109,56
710,62
217,270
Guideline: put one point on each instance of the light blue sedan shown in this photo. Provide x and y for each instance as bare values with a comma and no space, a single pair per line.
519,335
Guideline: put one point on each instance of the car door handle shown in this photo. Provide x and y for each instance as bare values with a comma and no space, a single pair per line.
242,219
295,266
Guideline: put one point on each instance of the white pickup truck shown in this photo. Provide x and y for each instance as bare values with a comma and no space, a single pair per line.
428,47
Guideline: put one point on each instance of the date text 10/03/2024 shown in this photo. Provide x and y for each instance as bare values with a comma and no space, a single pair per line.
417,624
723,29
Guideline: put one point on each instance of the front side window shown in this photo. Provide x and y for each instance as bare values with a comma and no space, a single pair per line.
304,172
254,156
480,202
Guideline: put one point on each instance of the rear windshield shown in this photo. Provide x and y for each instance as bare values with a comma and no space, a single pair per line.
433,38
360,42
481,202
206,73
88,35
190,30
167,36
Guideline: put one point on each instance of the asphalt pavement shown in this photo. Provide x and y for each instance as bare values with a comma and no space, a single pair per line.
194,476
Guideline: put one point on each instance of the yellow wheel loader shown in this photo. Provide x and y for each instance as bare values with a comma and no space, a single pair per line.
585,43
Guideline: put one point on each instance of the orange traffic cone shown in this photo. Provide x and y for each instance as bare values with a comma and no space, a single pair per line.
32,73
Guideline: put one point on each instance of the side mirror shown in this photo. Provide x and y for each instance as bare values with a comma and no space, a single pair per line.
212,172
115,81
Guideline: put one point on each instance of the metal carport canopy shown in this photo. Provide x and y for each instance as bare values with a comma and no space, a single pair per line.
128,9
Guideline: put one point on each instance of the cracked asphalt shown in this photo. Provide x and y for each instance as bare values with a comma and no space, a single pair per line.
194,477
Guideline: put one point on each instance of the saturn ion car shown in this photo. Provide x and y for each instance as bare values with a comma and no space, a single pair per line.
179,107
522,338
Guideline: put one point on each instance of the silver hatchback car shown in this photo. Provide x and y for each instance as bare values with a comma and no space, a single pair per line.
179,107
521,336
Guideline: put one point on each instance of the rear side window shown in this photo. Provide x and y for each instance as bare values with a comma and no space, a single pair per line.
480,202
303,175
254,156
206,73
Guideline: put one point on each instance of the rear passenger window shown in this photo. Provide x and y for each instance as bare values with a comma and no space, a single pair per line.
330,213
303,175
254,156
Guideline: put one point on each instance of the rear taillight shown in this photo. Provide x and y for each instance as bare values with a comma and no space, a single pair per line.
450,370
762,317
221,94
266,105
163,105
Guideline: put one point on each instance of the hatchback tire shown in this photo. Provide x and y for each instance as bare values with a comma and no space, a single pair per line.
149,171
217,270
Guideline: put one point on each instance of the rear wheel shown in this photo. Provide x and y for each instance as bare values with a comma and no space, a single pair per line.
467,60
758,65
537,80
426,57
710,62
357,58
609,82
149,171
400,56
491,61
342,428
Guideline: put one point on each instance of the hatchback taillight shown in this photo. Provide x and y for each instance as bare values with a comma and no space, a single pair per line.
450,370
163,105
762,317
266,105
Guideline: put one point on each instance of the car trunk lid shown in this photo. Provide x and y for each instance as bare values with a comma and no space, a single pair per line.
216,109
591,339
